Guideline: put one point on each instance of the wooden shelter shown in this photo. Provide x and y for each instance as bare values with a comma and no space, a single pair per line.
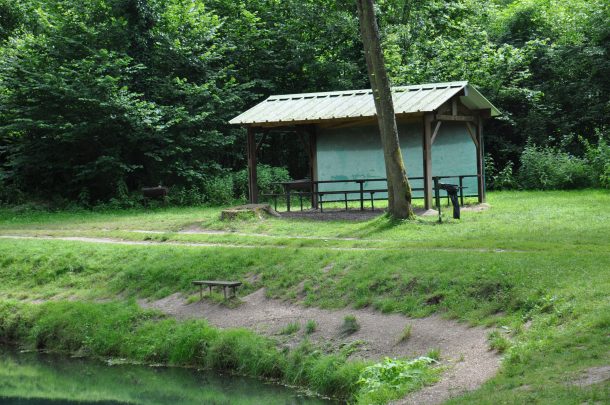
440,131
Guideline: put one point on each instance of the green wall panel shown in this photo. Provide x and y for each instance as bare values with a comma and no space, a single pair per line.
355,153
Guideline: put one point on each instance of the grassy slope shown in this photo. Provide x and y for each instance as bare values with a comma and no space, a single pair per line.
553,273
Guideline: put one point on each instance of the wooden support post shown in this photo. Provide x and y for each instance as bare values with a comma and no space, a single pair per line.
313,165
480,166
252,186
427,160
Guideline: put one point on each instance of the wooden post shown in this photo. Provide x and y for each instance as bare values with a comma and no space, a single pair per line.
480,166
427,160
313,163
252,186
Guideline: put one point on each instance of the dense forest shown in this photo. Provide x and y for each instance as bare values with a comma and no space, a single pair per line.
99,98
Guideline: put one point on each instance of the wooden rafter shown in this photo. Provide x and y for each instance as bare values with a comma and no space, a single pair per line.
435,133
473,134
259,143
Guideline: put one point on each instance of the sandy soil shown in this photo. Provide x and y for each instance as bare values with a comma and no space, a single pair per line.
463,349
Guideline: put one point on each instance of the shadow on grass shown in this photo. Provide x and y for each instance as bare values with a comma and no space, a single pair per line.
385,223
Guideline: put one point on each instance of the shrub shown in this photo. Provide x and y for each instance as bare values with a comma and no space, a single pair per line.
186,196
393,378
350,325
505,179
266,176
219,190
598,158
499,180
10,194
546,168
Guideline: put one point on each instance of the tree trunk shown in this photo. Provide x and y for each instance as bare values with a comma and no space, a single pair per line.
399,189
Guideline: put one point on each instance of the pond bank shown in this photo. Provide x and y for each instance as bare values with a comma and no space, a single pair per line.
124,331
464,349
34,378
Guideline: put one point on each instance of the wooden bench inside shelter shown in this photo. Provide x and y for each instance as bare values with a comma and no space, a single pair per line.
211,283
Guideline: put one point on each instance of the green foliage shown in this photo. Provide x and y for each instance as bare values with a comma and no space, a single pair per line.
434,354
107,93
350,325
406,333
291,328
311,326
266,176
186,196
499,180
219,190
138,93
393,378
546,168
598,159
498,342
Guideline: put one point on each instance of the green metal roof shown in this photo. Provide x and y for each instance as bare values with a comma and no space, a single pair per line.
340,105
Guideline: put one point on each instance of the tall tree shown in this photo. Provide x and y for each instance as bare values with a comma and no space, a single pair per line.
399,189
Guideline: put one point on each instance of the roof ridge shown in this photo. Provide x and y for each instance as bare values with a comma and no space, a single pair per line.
324,94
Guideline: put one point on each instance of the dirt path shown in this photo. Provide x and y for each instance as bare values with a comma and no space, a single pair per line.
463,349
116,241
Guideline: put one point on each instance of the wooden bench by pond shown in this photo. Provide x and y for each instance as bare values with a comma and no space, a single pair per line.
212,283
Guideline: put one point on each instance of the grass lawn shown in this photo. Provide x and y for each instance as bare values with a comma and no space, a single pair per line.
536,264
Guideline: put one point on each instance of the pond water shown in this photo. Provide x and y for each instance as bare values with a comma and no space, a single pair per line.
42,379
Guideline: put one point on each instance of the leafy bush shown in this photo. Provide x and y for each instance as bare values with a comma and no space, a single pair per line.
219,190
598,158
546,168
266,176
505,179
499,180
184,196
393,378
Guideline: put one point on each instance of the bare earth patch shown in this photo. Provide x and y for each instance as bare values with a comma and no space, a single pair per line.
592,376
463,349
339,214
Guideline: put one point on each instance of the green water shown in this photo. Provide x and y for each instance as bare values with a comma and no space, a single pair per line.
37,379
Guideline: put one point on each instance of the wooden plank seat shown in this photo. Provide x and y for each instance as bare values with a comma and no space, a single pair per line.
212,283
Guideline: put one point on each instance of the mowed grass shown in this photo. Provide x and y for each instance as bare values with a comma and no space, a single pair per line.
517,220
537,264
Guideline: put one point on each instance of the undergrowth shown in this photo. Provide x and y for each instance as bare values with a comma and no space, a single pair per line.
394,378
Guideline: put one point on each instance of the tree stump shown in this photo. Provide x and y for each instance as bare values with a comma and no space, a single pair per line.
248,211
